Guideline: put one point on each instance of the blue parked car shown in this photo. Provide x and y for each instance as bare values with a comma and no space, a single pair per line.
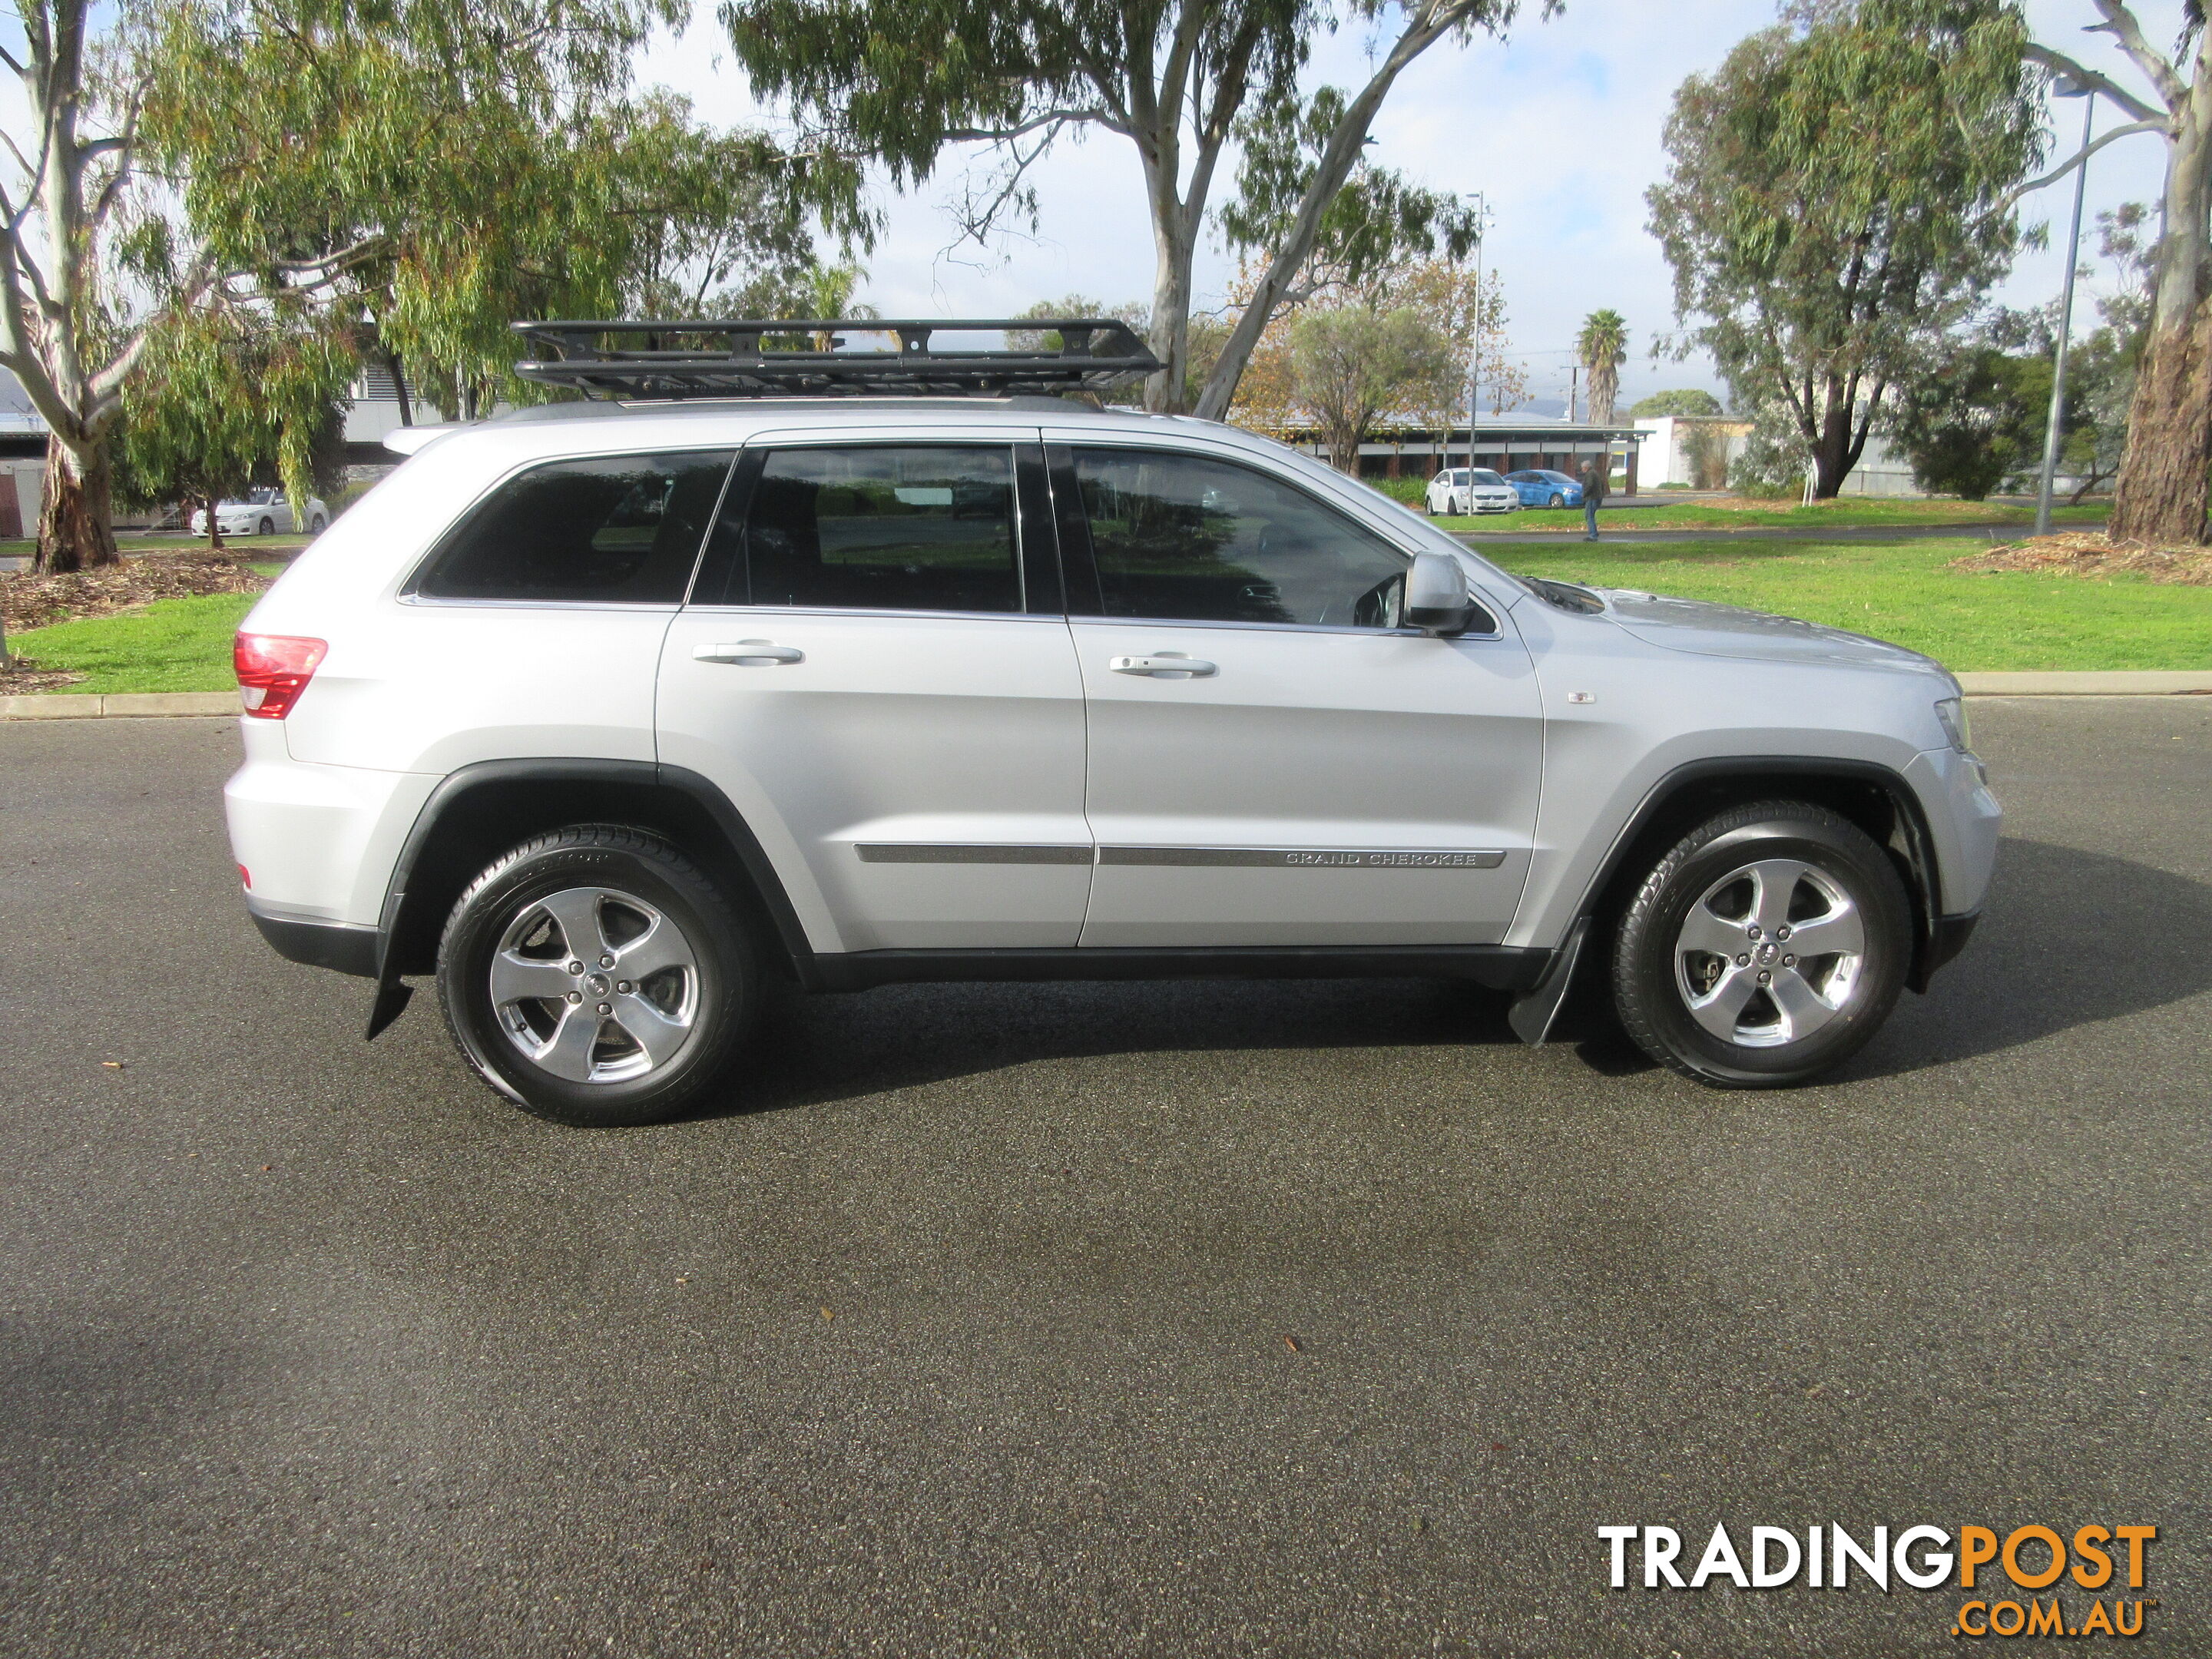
1541,487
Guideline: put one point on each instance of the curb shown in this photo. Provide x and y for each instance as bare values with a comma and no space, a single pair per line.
2110,683
63,706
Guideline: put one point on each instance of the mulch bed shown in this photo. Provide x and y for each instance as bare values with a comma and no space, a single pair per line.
32,601
21,674
2093,553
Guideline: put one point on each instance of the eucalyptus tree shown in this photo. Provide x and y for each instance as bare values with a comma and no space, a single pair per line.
68,332
2162,488
1839,197
228,386
1181,80
1603,345
472,161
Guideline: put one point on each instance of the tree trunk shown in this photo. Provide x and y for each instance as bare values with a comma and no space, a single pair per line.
75,531
399,387
2161,498
215,525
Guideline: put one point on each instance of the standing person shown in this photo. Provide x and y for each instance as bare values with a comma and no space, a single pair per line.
1597,473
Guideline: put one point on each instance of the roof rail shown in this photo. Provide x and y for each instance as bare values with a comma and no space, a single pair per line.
704,357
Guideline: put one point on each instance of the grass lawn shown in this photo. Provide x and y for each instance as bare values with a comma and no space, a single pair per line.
1902,591
172,645
1869,511
1906,591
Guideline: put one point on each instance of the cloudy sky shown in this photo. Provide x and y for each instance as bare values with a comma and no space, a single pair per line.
1557,126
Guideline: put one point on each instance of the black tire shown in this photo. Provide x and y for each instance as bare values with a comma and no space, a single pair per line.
1674,998
315,525
703,1005
1557,500
266,527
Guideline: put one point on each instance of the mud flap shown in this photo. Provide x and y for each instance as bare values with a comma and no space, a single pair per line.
392,996
1532,1013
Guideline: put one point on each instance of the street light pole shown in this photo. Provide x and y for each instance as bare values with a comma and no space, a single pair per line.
1474,364
2065,90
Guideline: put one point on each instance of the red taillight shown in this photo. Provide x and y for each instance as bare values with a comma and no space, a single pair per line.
245,877
273,669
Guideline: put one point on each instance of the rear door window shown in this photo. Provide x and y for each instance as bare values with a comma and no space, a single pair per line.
611,529
882,527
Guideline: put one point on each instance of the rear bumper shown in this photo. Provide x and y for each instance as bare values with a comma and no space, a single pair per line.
346,947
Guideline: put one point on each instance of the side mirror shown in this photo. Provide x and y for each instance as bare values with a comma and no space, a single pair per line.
1437,600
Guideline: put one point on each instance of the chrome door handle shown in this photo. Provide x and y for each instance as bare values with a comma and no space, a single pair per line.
749,653
1165,662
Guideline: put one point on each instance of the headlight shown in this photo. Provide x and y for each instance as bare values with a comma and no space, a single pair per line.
1952,712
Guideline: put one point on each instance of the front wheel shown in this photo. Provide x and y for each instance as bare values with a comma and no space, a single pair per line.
315,525
1557,500
1766,947
267,527
597,977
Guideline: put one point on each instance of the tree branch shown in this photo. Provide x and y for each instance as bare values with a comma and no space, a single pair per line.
2076,160
2081,76
1046,118
2120,23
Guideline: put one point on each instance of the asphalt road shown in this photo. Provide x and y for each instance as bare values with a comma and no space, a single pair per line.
1311,1319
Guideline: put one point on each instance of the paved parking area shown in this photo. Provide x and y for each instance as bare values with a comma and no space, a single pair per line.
1312,1319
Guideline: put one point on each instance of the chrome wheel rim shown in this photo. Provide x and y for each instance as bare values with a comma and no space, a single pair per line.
594,985
1770,954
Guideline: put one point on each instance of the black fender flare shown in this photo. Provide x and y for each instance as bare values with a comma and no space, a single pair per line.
1936,938
454,789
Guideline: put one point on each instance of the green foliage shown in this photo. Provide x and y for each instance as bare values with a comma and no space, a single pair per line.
229,393
1975,423
1349,363
1687,400
1406,492
1378,219
471,162
1836,202
901,81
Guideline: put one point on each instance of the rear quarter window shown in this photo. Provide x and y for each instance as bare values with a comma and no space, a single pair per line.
608,529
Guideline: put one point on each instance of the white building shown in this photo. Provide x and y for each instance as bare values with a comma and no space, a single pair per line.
1669,441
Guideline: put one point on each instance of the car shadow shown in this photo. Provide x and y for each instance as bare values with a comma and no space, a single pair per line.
812,1050
2068,937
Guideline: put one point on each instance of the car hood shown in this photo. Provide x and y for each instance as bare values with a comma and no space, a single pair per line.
1726,630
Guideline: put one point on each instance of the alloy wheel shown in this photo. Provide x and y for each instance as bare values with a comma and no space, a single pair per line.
595,985
1770,953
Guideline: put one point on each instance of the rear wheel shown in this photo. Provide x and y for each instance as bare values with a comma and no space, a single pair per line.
597,977
1766,947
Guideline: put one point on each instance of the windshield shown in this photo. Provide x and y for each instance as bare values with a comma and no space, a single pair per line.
1483,476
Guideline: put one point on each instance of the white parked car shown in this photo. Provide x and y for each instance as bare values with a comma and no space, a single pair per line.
262,511
1471,490
608,715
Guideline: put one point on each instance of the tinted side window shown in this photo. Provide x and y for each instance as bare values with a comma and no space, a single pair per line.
1188,538
616,529
880,527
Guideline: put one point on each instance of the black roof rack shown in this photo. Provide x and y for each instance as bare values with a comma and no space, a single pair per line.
809,357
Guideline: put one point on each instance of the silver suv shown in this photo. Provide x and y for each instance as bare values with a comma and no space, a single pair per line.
611,713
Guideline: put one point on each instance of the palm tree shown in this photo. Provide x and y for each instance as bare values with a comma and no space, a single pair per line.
1603,347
